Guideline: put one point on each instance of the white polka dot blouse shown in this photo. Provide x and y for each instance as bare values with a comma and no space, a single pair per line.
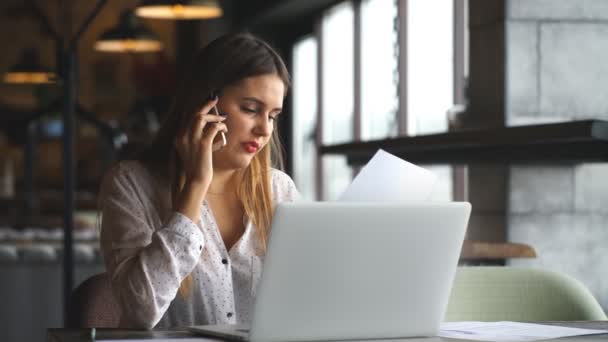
148,250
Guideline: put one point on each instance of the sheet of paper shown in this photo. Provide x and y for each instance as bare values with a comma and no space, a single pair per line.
190,339
509,331
387,178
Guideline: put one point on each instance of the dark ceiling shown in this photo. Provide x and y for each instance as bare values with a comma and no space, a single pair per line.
268,15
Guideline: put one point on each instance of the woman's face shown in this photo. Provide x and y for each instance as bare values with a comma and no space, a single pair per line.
251,107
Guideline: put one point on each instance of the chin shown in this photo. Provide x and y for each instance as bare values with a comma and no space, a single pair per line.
228,158
239,162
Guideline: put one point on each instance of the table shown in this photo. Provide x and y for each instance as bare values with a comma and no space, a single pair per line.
493,253
81,335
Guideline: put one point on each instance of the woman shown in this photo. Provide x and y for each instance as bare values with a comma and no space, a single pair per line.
184,226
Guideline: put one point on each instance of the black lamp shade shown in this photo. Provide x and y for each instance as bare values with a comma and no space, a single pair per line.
128,36
180,9
29,71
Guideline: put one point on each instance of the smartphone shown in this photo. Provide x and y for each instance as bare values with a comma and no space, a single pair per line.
214,94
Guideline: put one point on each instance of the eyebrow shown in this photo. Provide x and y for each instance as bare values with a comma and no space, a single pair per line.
260,102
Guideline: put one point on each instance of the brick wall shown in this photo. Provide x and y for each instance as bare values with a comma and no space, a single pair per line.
557,70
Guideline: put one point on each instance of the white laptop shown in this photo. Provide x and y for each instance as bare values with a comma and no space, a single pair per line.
339,271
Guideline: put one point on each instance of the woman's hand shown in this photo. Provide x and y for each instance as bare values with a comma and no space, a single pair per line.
195,146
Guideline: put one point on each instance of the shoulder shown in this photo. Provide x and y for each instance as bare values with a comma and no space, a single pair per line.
129,176
126,171
280,179
283,187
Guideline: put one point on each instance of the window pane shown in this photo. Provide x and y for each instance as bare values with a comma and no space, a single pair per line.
305,115
338,56
443,190
379,75
338,98
430,80
430,69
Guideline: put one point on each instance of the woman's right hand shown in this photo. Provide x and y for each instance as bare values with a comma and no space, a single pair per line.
195,146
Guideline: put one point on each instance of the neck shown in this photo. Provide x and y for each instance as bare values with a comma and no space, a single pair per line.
224,181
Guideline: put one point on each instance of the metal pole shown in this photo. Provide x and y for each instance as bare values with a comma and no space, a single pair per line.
402,63
460,175
357,70
319,131
69,174
30,164
70,89
68,59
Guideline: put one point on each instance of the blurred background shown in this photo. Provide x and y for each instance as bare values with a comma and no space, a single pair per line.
502,99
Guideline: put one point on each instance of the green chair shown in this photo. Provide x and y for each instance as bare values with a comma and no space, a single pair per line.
487,293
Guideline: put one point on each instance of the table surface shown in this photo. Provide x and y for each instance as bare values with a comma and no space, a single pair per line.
82,335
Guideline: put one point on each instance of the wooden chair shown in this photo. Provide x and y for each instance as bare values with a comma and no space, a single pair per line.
93,305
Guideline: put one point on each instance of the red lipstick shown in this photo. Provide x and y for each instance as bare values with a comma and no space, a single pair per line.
251,146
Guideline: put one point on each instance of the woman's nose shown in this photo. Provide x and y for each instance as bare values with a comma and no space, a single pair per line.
263,126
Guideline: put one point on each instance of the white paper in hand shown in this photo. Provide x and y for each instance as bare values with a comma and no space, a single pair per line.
387,178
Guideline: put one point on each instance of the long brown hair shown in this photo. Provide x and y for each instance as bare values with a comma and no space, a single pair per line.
225,61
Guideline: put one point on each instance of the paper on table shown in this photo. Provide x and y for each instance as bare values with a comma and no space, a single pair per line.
389,178
191,339
509,331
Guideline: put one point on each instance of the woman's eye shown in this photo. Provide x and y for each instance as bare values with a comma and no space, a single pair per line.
248,110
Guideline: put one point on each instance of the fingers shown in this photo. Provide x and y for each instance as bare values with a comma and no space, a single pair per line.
212,131
204,124
202,128
205,109
199,126
217,145
208,106
211,137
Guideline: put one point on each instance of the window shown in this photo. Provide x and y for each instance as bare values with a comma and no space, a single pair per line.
379,73
430,65
430,80
357,47
305,116
337,50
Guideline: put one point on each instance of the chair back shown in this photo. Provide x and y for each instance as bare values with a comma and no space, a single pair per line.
93,305
488,293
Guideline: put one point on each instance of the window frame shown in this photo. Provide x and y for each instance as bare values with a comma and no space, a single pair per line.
460,71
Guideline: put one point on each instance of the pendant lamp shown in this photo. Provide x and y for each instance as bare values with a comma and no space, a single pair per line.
29,71
180,9
128,36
